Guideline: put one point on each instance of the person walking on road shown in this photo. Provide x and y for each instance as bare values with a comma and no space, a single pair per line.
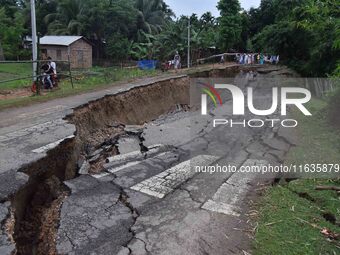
277,59
222,60
241,59
261,59
177,61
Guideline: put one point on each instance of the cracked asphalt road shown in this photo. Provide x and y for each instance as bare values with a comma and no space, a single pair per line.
159,204
153,201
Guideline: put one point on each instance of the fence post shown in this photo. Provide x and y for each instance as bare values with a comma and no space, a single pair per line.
69,68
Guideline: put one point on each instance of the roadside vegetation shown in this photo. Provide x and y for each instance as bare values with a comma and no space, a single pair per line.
334,106
83,81
15,71
294,217
18,93
305,33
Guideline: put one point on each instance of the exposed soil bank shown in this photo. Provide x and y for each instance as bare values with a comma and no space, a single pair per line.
135,107
36,206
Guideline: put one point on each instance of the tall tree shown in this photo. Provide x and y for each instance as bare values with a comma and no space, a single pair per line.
230,23
11,32
67,18
152,15
303,32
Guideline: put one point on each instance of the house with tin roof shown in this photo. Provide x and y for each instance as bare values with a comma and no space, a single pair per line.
77,49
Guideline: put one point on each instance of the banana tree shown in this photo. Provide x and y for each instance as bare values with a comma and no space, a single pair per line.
145,49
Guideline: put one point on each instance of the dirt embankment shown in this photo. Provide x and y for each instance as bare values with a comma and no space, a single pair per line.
135,107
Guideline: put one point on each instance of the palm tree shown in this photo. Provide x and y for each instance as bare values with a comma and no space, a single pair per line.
120,18
173,38
152,15
68,17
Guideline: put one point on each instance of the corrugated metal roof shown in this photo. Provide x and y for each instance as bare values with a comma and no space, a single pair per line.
63,40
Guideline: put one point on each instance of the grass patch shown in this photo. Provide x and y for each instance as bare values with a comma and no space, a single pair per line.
14,71
16,68
334,106
93,76
282,226
319,141
84,81
291,214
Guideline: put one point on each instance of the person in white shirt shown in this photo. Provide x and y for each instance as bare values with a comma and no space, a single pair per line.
54,66
177,61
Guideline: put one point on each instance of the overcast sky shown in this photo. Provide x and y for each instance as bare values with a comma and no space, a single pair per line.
187,7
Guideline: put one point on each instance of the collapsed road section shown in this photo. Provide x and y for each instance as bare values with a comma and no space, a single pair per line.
123,182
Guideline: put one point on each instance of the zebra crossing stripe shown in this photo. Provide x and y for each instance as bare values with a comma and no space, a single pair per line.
119,168
162,184
51,146
230,194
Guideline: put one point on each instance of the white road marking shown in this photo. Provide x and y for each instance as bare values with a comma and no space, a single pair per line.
119,168
98,176
125,157
51,145
134,155
230,195
162,184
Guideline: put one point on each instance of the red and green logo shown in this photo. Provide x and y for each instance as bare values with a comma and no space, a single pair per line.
212,93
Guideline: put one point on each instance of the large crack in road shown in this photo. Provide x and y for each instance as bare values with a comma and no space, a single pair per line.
124,183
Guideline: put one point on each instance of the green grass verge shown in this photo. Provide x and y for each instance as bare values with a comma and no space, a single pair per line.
319,141
286,221
85,81
16,68
291,214
93,76
14,71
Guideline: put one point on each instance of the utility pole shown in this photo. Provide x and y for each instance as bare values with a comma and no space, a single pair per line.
189,26
34,41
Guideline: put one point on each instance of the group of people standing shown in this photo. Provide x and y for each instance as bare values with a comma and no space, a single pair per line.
257,58
241,58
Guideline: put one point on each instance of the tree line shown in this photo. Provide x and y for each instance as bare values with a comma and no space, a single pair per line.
305,33
118,29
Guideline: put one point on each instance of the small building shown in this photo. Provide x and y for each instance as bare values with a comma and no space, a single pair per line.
76,48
